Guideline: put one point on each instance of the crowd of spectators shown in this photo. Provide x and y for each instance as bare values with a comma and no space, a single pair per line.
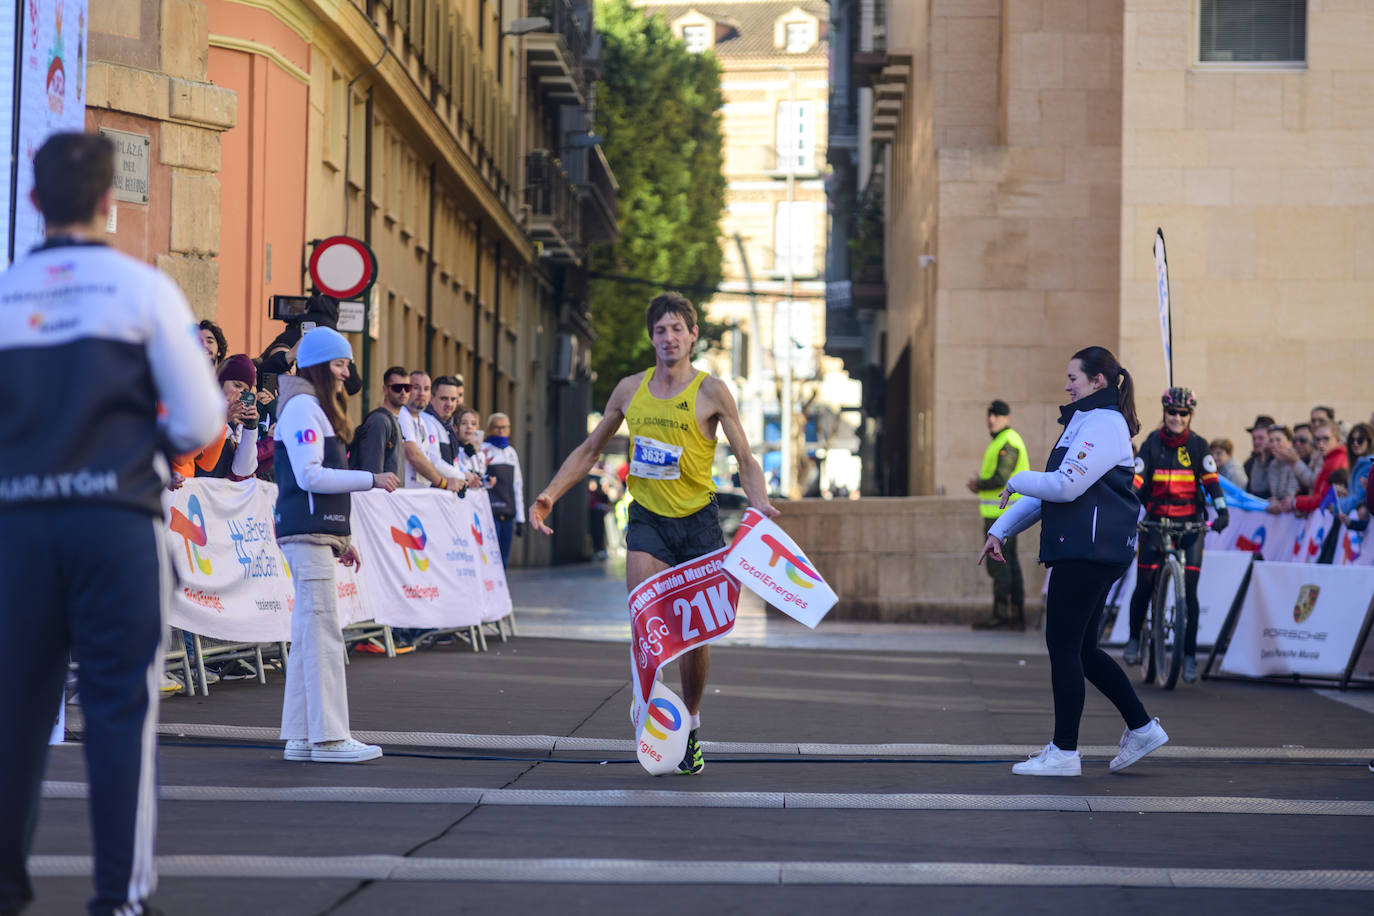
421,431
1295,467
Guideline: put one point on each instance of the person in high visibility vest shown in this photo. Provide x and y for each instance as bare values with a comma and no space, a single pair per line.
1004,456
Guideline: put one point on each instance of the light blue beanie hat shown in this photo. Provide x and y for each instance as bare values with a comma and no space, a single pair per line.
320,345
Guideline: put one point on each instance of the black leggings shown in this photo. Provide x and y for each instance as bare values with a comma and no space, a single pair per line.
1073,616
1145,584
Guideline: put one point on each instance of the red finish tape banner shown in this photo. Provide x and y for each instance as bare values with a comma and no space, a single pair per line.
680,609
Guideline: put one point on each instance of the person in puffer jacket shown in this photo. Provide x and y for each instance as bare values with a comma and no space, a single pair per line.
312,521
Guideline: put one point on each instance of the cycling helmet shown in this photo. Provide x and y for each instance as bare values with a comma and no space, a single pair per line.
1179,399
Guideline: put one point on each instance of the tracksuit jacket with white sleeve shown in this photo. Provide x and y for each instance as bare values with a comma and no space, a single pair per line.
1084,500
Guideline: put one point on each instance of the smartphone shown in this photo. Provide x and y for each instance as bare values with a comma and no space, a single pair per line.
267,381
307,327
247,398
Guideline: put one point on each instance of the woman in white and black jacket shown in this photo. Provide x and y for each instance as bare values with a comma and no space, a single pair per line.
1086,504
312,520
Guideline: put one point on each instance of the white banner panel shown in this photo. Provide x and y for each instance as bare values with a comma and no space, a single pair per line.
52,96
794,587
233,582
425,559
1278,537
1222,573
1300,618
1355,548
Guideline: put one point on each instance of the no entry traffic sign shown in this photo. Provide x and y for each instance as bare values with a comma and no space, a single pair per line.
342,267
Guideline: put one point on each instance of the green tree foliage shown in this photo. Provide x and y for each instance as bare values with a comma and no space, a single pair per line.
658,108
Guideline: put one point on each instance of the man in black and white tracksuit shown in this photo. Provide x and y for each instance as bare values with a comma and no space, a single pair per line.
82,467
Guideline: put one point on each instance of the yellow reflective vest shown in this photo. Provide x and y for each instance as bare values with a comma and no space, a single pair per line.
989,500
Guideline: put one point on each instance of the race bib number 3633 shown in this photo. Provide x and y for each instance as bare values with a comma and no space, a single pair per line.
654,460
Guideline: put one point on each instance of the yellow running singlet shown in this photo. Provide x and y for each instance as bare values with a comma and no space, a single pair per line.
670,458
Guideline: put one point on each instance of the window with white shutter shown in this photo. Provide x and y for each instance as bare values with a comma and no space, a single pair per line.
796,136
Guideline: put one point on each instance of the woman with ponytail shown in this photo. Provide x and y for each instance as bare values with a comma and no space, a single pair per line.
1087,507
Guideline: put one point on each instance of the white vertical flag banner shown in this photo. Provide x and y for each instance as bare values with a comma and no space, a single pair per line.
770,564
52,97
1166,328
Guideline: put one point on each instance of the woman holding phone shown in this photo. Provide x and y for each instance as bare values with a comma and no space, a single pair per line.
1087,507
312,519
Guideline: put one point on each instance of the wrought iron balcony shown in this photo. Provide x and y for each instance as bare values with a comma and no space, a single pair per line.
555,210
556,58
596,187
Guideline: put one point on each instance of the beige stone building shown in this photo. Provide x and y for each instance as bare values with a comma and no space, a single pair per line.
774,60
1018,156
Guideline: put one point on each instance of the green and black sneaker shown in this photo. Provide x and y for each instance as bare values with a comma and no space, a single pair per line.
692,761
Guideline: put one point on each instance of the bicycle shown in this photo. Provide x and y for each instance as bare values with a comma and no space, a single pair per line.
1161,635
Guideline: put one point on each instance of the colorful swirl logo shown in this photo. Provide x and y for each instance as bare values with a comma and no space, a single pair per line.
476,528
191,527
797,566
663,717
412,542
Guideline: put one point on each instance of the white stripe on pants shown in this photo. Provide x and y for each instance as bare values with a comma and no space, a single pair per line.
316,703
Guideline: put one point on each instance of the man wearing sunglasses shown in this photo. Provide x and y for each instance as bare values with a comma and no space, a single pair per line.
1173,469
377,441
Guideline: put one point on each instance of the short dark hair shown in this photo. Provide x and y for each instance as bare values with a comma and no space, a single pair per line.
1340,477
1329,411
402,371
70,173
999,408
455,381
670,303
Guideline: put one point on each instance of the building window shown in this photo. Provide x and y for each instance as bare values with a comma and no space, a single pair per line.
794,238
696,37
1253,31
796,136
797,38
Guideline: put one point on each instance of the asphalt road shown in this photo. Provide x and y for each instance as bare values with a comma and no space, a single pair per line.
871,775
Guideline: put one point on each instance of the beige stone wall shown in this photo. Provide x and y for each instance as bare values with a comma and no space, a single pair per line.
1027,245
1263,181
904,559
147,74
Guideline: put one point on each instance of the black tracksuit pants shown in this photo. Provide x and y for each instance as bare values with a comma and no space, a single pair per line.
89,581
1073,617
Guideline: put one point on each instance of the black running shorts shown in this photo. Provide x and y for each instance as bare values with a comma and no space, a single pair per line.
675,540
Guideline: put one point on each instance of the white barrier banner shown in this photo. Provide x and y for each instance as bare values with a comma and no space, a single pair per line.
233,582
1278,537
795,587
1222,573
425,562
1300,618
1355,548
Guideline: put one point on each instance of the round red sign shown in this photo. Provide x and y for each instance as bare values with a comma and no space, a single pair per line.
342,267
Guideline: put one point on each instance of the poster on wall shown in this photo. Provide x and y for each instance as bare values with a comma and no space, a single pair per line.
52,98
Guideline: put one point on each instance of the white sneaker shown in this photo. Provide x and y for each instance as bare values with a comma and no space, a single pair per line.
1051,761
297,749
170,684
1136,745
349,750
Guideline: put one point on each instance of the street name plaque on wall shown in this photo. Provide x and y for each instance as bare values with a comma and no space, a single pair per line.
131,165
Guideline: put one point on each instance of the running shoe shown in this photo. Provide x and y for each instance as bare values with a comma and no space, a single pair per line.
297,749
347,750
368,647
1190,669
1136,744
1050,761
692,761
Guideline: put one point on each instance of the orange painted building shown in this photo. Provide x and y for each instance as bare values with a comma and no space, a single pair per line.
263,166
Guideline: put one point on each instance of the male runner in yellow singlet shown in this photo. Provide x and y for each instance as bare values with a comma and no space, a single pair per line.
673,412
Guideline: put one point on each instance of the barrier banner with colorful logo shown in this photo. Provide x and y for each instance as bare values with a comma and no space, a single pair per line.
475,512
772,566
425,559
1354,548
1223,571
1277,537
680,609
232,581
1300,619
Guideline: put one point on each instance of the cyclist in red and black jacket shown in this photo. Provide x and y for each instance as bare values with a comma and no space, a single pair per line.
1172,470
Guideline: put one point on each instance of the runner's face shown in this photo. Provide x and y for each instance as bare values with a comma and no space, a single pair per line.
419,391
673,340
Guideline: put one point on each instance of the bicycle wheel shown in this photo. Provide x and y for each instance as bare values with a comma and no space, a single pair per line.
1175,617
1158,623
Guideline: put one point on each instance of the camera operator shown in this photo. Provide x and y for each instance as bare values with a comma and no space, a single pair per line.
321,311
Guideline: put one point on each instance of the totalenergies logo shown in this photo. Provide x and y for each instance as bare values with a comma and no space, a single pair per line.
1253,544
412,542
476,528
1352,545
663,717
191,527
797,567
